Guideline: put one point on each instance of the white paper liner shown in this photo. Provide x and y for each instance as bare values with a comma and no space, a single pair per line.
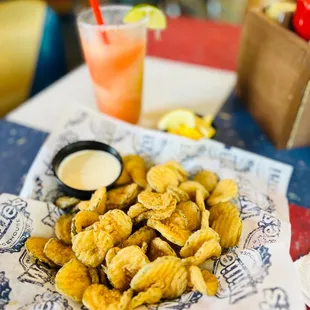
258,274
302,266
155,147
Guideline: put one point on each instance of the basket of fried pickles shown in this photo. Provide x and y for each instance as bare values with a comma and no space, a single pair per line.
143,241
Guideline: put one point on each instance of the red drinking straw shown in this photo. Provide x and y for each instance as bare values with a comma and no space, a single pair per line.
99,19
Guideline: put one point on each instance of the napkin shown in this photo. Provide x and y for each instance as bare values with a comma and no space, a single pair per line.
24,282
250,275
302,266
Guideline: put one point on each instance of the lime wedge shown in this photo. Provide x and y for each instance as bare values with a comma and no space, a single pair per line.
156,18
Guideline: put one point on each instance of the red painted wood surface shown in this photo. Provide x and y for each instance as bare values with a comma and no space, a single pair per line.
198,42
300,221
300,242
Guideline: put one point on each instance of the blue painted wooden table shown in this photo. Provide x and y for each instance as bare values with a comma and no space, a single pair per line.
18,148
237,128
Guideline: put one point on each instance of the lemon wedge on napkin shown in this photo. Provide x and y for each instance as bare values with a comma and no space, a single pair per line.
191,133
186,123
175,119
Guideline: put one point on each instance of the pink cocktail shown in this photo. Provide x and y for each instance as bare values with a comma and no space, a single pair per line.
115,55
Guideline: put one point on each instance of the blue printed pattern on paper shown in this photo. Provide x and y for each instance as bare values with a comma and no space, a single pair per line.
148,147
51,195
15,225
240,273
66,138
37,188
188,153
48,300
103,131
107,132
275,298
252,202
4,290
268,231
53,213
231,161
77,119
248,208
183,302
35,272
49,169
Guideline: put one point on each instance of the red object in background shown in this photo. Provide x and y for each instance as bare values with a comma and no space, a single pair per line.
198,41
300,221
301,19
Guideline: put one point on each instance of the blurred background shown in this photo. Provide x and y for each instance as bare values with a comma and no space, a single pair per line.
39,40
230,11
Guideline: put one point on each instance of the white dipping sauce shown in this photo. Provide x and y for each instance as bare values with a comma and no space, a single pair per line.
89,169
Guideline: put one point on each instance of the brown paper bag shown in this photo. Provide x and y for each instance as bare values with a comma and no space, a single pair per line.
273,80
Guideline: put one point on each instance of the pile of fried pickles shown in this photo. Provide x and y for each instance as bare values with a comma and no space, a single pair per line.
144,240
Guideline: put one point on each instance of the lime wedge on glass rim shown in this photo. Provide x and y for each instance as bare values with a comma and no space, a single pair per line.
156,18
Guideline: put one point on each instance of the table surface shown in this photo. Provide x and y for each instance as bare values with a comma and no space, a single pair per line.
195,74
167,84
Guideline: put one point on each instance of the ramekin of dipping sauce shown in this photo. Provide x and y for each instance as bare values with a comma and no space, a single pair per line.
84,166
